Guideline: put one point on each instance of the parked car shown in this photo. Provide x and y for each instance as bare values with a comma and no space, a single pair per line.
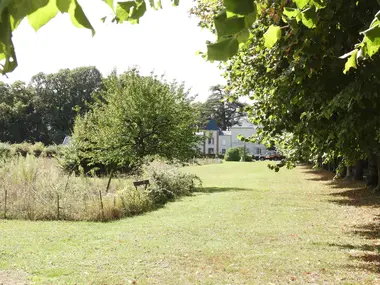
258,156
268,155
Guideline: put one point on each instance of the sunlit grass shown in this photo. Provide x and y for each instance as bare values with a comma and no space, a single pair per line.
250,226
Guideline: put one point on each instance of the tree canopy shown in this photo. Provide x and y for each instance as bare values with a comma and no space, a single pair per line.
45,109
132,117
232,21
218,107
292,72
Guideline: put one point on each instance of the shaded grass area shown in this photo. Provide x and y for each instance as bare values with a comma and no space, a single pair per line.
248,226
364,206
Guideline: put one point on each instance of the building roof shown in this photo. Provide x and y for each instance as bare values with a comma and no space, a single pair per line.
212,126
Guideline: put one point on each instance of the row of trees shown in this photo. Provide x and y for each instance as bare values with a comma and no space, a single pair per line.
44,110
292,72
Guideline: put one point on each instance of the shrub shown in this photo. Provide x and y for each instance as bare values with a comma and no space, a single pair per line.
232,154
168,182
134,201
248,158
22,149
5,151
51,151
37,149
221,156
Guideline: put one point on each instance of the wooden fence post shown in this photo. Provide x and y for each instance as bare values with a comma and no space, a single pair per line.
101,204
58,214
5,202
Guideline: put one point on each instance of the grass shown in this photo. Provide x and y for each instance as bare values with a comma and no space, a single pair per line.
251,226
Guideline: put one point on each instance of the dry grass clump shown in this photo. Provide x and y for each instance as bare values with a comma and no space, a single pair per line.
35,188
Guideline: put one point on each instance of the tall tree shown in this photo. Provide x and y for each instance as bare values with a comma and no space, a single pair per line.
61,95
218,107
135,116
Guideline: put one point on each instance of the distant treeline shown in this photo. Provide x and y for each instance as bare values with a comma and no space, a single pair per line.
44,110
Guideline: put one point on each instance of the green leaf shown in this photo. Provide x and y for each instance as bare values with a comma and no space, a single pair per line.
291,12
309,18
351,61
175,2
7,52
138,12
78,18
109,3
222,50
63,5
3,4
131,11
228,26
250,19
18,10
319,4
241,7
43,15
123,9
272,35
372,39
243,36
301,3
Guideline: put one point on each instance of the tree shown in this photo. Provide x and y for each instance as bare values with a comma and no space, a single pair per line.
19,119
61,95
45,110
300,97
217,107
133,117
232,23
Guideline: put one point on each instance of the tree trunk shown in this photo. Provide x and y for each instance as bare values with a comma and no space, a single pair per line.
359,168
349,173
372,178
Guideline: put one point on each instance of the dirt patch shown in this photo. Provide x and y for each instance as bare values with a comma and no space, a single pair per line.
13,277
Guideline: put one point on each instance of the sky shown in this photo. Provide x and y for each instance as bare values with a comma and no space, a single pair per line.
165,41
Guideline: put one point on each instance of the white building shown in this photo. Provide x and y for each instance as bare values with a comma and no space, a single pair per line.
217,141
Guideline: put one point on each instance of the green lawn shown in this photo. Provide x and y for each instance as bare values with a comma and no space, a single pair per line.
253,226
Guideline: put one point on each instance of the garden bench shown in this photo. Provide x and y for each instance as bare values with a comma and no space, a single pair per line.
141,183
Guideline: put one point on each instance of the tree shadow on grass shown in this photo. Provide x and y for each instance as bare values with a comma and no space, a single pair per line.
220,189
318,175
365,256
353,193
348,192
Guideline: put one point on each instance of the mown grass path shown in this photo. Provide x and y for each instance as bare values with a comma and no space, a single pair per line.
252,226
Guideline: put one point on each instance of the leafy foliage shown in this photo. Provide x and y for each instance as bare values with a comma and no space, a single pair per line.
218,107
134,116
301,100
232,20
233,154
45,110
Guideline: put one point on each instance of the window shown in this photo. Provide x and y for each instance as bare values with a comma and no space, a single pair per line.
211,141
223,142
258,150
223,151
211,150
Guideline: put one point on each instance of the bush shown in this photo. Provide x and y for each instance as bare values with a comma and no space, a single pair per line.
51,151
232,154
167,182
22,149
248,158
37,149
5,151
